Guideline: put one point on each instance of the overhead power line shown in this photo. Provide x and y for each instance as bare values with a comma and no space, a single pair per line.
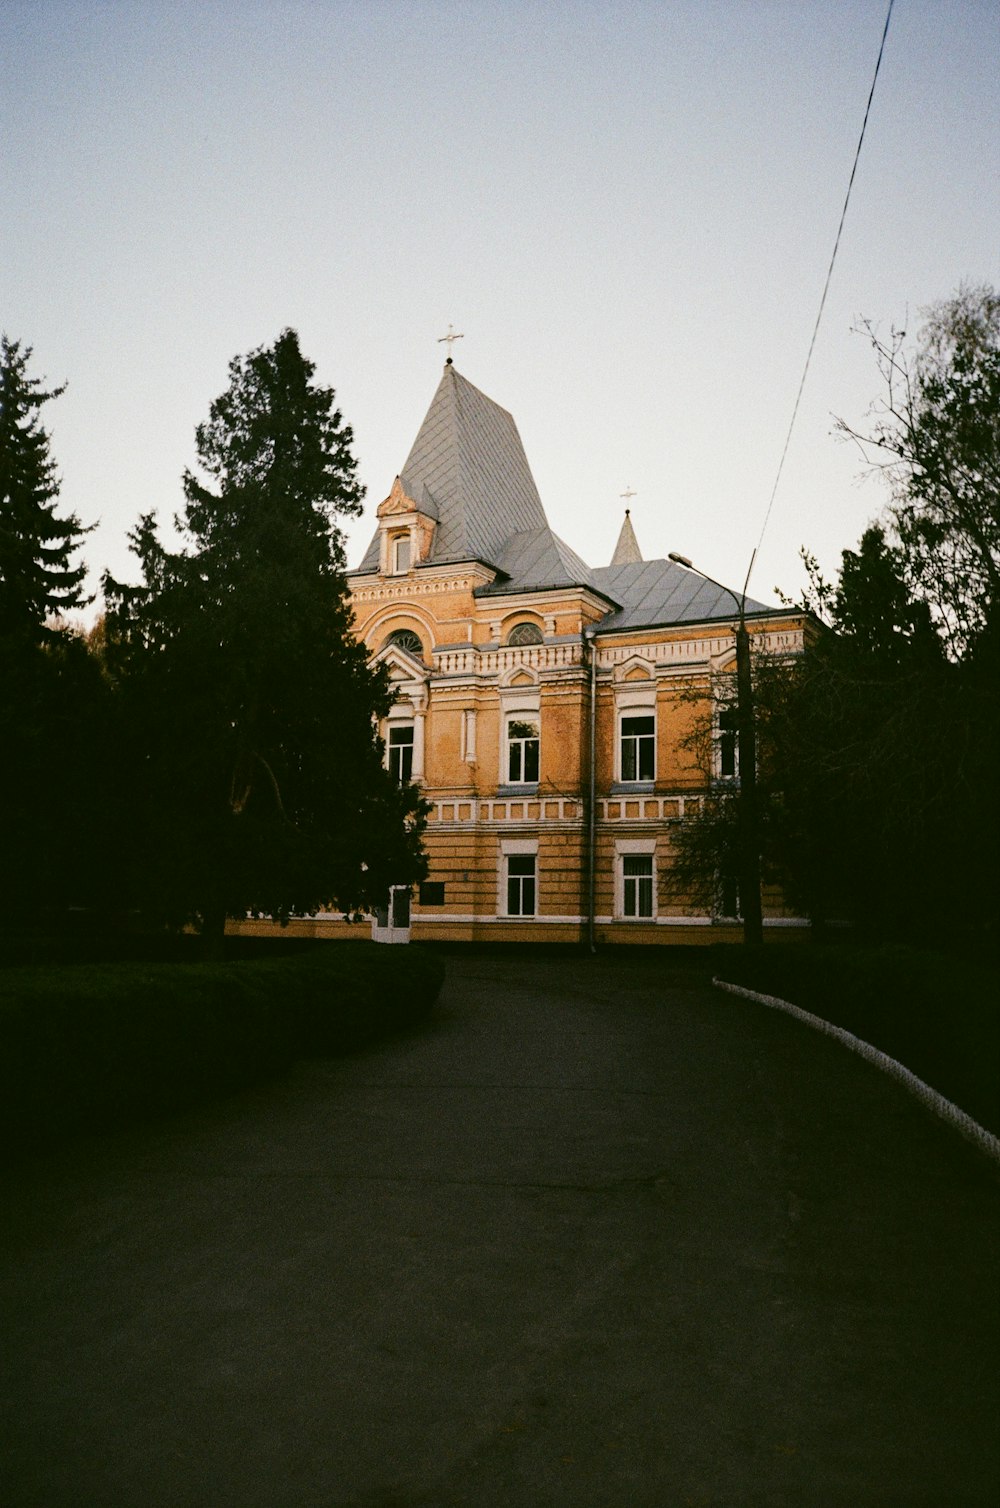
826,289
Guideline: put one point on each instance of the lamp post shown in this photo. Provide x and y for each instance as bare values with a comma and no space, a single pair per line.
749,829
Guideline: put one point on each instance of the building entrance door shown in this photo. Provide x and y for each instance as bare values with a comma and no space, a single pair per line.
391,923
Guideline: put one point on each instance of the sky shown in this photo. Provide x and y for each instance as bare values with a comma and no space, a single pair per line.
627,210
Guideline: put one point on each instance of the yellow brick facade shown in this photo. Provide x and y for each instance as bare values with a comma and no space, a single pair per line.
501,830
474,811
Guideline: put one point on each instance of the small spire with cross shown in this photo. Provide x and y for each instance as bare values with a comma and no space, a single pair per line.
451,338
627,550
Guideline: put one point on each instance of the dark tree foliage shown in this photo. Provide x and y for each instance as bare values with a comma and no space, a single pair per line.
878,747
877,751
52,697
53,774
876,767
37,579
885,738
707,850
247,706
936,437
848,736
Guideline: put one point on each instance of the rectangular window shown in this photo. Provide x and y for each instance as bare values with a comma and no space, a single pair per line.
522,752
729,754
638,748
432,892
401,751
637,885
401,555
520,884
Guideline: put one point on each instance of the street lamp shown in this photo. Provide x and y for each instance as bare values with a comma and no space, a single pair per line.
749,829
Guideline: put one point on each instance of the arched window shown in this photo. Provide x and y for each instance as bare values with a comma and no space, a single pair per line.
525,633
408,640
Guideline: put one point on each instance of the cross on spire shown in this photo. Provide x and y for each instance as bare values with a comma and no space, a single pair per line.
627,495
451,338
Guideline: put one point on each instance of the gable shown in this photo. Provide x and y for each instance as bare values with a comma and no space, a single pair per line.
635,668
402,665
397,502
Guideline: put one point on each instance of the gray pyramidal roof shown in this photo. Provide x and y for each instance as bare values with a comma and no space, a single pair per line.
467,470
627,550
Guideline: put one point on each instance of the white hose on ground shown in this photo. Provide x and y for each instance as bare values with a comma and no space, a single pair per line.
936,1103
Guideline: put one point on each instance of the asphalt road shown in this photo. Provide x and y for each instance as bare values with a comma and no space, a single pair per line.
596,1235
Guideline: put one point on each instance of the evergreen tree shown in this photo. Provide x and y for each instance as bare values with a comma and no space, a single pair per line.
877,801
857,763
52,697
247,705
54,779
877,746
37,579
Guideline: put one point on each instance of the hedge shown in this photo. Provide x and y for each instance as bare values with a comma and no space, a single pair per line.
937,1014
91,1046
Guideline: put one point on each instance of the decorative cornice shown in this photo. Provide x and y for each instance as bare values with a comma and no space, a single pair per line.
389,589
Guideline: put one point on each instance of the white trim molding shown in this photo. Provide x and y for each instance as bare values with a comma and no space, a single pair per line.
634,848
515,848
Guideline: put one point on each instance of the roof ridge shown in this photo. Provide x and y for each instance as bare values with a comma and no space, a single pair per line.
460,501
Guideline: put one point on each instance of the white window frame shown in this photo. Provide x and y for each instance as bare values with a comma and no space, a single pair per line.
399,541
394,725
516,848
623,714
510,721
520,705
634,848
635,700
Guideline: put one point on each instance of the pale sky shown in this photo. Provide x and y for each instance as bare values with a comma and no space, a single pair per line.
628,210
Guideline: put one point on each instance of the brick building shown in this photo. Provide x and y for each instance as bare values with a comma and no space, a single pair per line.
510,659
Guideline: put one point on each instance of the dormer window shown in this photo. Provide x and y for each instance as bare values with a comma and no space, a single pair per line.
406,530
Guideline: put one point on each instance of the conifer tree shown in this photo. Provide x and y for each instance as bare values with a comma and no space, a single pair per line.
52,697
248,703
38,581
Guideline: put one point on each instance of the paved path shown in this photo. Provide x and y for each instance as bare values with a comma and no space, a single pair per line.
597,1235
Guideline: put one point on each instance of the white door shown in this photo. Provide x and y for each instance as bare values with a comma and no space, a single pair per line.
391,923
